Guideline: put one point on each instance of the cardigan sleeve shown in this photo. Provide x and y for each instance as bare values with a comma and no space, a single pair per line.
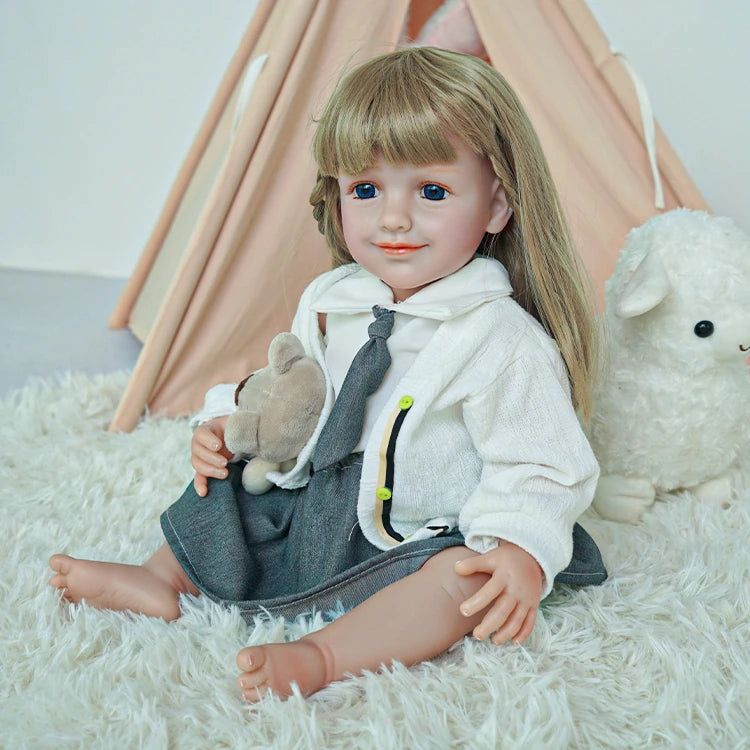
218,402
538,470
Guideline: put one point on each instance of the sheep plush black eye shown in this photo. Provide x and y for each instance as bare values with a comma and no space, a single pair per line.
704,329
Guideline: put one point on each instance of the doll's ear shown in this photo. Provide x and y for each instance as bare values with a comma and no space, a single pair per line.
500,210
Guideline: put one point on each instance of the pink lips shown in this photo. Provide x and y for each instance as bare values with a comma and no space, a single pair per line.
398,248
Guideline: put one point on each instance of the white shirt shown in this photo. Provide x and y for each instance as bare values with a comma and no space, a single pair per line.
348,308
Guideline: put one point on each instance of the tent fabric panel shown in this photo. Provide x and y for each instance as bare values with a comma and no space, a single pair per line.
195,201
283,39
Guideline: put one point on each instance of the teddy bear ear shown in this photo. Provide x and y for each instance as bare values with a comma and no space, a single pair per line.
284,351
646,288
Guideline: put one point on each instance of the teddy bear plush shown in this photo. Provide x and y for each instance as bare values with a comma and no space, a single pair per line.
672,410
277,411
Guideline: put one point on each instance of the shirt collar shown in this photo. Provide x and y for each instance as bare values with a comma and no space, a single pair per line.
480,281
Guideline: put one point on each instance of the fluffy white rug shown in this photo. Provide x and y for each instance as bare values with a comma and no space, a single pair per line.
657,657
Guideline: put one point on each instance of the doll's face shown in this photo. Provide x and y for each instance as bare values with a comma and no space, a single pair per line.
412,225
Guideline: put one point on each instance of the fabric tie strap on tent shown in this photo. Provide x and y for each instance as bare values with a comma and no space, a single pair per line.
649,126
246,89
236,242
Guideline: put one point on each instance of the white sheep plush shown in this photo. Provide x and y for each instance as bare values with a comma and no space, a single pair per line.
672,410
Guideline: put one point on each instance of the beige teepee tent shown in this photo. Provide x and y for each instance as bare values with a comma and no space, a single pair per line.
236,243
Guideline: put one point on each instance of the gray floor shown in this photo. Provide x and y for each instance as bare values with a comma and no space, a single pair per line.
52,322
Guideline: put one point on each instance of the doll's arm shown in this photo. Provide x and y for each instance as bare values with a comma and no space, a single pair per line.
538,470
209,455
513,591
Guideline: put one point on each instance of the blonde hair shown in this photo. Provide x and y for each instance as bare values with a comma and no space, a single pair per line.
405,105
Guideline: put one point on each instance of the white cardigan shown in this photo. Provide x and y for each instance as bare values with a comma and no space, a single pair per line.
478,434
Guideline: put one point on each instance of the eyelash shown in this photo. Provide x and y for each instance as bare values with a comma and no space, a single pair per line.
444,191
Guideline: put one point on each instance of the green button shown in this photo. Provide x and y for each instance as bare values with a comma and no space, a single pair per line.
406,402
383,493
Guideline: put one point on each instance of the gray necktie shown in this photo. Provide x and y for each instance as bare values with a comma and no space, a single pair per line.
342,430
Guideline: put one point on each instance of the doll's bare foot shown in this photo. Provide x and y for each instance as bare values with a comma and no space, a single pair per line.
105,585
274,667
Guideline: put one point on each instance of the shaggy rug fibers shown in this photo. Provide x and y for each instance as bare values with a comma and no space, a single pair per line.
659,656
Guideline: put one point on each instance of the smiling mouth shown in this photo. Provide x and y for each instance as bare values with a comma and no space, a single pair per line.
398,248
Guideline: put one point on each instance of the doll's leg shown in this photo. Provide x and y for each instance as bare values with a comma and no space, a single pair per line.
151,589
409,621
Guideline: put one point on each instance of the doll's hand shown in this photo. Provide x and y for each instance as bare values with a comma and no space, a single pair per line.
515,587
209,454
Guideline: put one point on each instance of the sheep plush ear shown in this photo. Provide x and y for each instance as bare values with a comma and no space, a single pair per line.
645,289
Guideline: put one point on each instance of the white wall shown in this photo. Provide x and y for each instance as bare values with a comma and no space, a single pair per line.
101,100
694,57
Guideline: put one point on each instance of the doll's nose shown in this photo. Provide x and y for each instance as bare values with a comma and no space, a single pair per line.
395,216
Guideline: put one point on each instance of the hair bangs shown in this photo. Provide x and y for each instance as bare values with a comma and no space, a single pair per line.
384,114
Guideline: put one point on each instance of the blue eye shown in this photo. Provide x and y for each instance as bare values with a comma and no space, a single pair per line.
365,190
433,192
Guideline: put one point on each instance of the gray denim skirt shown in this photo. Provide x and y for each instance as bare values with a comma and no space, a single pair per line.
290,552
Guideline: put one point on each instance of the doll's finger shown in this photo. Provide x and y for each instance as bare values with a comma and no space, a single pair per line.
200,483
209,453
482,599
494,618
204,455
512,626
207,470
201,460
204,436
207,445
207,440
527,627
470,565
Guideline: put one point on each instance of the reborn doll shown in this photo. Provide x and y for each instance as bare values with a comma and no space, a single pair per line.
439,491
